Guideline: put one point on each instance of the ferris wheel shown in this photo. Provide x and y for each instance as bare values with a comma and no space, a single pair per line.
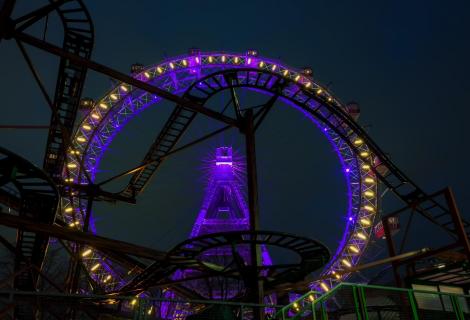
198,76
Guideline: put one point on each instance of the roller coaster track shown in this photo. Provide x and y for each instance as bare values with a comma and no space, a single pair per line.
28,191
78,40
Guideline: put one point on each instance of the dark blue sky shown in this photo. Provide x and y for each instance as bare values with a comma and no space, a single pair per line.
405,62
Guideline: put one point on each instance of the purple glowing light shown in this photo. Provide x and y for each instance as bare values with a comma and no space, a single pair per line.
182,75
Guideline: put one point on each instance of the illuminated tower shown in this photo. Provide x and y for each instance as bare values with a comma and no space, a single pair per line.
223,209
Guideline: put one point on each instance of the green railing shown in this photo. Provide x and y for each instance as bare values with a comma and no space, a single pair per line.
368,302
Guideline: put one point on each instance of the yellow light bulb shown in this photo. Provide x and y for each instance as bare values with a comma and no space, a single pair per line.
365,222
369,180
172,66
147,75
210,59
236,59
86,127
261,64
224,58
68,209
369,193
113,96
285,72
354,249
185,63
71,165
159,70
319,91
86,252
324,286
95,116
358,142
346,263
96,266
124,88
103,106
308,84
364,154
297,77
365,166
273,68
369,208
361,235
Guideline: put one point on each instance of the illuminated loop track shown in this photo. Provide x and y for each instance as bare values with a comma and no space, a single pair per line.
197,77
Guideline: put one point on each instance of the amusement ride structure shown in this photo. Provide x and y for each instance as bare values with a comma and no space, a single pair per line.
226,257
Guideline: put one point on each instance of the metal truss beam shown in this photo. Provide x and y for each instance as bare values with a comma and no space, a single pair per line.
35,42
80,237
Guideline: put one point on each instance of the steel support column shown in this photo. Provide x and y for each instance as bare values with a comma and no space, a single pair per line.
457,220
391,250
256,285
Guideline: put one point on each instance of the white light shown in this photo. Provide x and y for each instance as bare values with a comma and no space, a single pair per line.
185,63
210,59
124,88
172,66
95,116
223,163
273,68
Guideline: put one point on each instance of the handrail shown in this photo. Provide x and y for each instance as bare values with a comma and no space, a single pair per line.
300,302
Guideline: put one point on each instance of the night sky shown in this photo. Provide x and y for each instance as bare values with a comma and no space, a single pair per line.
405,62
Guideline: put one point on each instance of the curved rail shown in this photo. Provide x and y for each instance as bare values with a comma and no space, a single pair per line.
78,40
29,192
